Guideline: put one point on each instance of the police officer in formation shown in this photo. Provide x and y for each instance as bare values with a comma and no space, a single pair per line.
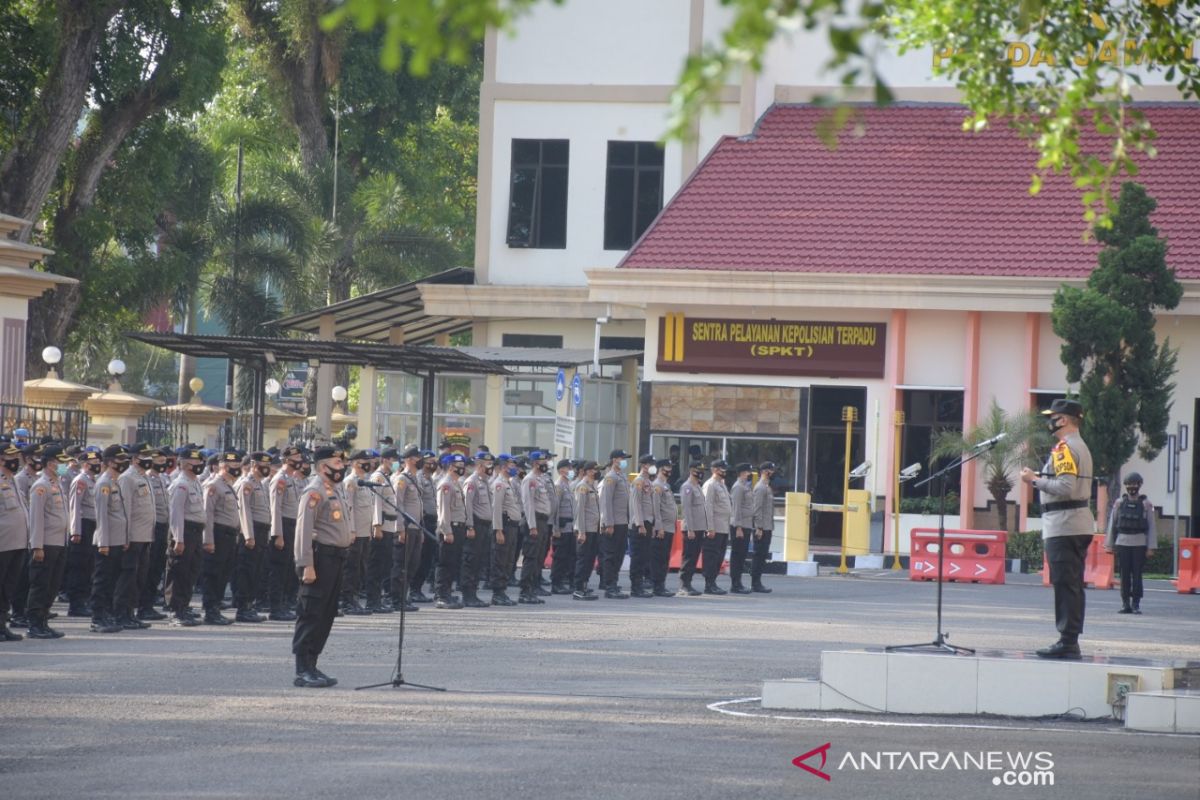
361,505
14,534
406,556
641,523
563,517
477,546
614,523
48,534
254,529
186,523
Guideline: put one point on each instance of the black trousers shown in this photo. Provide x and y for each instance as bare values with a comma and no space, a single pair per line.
156,564
639,556
105,570
762,549
80,558
218,566
318,601
181,569
45,578
1132,561
475,553
691,555
130,577
429,555
282,582
660,559
248,566
533,553
503,554
562,562
1066,555
714,554
406,558
612,553
22,591
585,558
519,549
379,565
449,559
738,549
352,569
10,573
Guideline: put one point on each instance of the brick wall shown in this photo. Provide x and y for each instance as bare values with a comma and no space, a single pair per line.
725,409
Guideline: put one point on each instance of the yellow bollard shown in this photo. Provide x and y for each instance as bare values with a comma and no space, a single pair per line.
849,416
797,513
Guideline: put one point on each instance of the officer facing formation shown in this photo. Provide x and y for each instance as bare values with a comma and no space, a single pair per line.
1131,534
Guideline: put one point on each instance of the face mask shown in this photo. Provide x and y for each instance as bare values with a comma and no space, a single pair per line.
145,463
721,474
698,475
307,470
197,469
335,475
624,464
37,465
296,465
1055,424
61,470
235,473
490,470
460,470
121,466
570,474
1133,491
12,466
511,471
95,468
421,464
264,471
160,468
653,470
543,467
395,467
430,466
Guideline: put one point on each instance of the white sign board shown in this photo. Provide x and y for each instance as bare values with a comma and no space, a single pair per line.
564,431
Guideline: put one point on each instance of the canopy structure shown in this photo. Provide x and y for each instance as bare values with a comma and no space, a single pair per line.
258,353
546,356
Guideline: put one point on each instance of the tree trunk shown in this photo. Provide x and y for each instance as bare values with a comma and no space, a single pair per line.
28,170
187,364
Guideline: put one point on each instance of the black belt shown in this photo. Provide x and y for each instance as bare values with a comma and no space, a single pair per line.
389,517
328,549
1064,505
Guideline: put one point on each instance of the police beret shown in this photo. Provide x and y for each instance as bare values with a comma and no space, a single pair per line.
504,457
116,452
412,451
428,454
454,458
1072,408
535,455
648,458
389,452
484,455
328,451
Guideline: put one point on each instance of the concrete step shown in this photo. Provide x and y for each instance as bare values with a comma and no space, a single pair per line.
1166,711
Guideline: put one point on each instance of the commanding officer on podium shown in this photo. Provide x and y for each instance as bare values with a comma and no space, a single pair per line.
323,538
1067,522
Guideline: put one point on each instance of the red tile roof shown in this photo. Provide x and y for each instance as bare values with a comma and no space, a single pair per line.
913,194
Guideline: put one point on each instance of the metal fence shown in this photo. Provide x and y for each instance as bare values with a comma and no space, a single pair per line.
67,424
162,428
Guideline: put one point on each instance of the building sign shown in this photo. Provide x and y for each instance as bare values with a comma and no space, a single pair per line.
772,347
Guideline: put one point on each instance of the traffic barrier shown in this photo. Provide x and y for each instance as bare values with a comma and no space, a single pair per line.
970,556
1189,566
1098,568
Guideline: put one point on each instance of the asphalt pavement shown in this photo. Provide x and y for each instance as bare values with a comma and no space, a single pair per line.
638,699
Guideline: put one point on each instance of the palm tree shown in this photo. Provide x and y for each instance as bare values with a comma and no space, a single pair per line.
1024,434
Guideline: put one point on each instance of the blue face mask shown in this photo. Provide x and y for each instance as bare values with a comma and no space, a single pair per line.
624,464
395,467
61,469
511,471
570,474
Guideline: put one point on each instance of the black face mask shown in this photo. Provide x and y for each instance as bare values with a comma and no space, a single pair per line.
264,472
145,463
236,473
160,468
120,466
460,470
421,463
197,469
698,476
12,466
37,465
306,470
95,469
297,465
1054,425
335,475
543,467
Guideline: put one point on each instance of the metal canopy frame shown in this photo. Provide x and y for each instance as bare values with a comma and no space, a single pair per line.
372,316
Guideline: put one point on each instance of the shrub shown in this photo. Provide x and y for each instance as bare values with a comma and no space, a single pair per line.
928,505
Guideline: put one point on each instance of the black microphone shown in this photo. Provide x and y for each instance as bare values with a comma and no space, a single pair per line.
365,482
987,443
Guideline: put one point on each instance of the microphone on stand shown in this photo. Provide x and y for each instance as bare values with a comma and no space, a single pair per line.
987,444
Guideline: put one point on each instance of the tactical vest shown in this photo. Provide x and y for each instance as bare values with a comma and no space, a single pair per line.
1131,516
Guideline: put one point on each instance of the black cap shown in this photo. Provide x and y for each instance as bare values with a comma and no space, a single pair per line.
411,451
231,457
74,450
360,455
328,451
590,465
648,458
190,452
697,466
767,466
720,463
387,440
1132,477
389,452
35,450
89,457
116,452
618,453
291,450
564,462
55,452
260,458
743,467
1071,408
10,450
663,462
166,452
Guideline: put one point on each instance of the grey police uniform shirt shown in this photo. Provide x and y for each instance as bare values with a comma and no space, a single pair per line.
535,498
515,484
380,510
696,516
82,502
563,518
220,506
112,519
25,480
741,514
614,498
362,505
720,507
764,506
1070,464
14,517
505,502
283,492
186,498
139,505
477,495
48,517
665,510
159,483
451,505
587,507
408,496
428,486
1113,538
254,507
641,501
324,519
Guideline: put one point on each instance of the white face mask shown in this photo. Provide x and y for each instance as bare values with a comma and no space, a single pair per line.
653,470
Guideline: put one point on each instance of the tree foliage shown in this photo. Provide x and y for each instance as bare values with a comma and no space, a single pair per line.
1110,346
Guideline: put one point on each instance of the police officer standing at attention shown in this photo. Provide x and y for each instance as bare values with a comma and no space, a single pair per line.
254,525
451,528
614,523
156,558
1067,522
81,552
696,527
641,521
323,538
139,505
535,500
740,527
112,533
506,518
1131,533
665,515
477,546
48,543
587,523
406,557
14,535
720,514
429,476
361,504
562,563
283,493
764,523
221,528
186,522
383,534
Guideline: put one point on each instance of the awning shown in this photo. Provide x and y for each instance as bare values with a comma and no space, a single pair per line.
545,356
371,317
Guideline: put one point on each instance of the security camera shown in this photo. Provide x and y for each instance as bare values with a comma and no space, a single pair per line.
861,470
603,320
910,472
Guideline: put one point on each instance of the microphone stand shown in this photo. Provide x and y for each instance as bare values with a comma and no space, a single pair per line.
939,642
397,680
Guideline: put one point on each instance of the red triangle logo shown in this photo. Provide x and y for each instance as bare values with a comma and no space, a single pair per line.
824,752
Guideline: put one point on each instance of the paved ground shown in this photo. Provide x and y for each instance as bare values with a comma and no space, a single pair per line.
568,700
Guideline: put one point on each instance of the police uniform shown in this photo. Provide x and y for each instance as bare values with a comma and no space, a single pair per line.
477,549
254,525
1130,535
138,495
81,552
283,492
562,564
427,482
451,531
48,536
361,504
383,522
696,525
323,538
614,515
641,520
741,528
720,515
506,520
186,522
14,539
763,499
222,526
665,515
25,480
535,504
406,554
587,523
156,561
112,534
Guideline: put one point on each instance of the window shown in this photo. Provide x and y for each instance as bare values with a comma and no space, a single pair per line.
528,414
537,199
633,193
530,340
926,413
458,402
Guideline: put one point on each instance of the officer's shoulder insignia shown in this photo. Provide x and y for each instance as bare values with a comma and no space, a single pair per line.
248,490
104,490
1064,461
41,490
609,479
313,499
445,487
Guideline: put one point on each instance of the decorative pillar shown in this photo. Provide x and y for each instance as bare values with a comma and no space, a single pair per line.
966,506
1033,336
203,422
897,331
114,414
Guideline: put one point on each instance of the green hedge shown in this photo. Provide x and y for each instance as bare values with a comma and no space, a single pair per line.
1027,546
928,505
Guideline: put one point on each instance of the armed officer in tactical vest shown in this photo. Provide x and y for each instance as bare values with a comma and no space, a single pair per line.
1132,536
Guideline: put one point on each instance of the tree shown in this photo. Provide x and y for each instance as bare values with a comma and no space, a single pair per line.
1024,435
1110,346
1083,84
